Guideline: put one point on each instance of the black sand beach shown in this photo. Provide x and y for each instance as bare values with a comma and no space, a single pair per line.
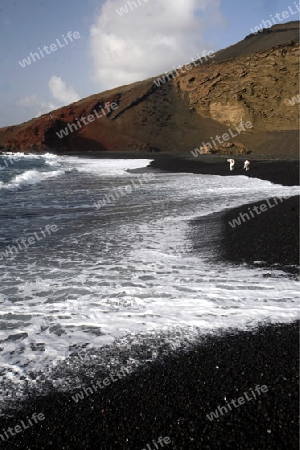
282,171
269,239
173,396
272,236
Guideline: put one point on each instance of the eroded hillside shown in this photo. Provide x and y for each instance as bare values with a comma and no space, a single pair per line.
251,81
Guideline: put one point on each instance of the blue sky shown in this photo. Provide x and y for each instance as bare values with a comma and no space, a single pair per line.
113,49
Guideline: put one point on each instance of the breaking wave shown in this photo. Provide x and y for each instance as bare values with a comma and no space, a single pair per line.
28,178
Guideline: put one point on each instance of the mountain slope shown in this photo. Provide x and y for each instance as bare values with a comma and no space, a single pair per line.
255,80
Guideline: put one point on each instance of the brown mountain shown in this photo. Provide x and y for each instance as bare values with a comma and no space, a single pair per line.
255,80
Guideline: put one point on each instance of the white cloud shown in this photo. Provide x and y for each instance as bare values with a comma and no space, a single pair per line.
35,106
148,39
28,101
61,92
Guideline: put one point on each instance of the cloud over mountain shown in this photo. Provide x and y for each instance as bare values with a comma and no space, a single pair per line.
61,92
149,38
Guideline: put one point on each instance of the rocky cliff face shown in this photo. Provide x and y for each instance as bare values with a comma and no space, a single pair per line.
253,81
255,88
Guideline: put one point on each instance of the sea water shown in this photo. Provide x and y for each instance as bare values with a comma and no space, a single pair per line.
121,283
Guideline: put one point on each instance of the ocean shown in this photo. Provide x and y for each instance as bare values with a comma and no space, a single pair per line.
99,268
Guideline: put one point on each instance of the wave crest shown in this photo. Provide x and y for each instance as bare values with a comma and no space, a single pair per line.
30,177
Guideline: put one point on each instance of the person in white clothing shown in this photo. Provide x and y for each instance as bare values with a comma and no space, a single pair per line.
231,163
246,165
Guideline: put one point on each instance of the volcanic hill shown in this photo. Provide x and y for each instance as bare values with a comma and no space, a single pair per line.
255,80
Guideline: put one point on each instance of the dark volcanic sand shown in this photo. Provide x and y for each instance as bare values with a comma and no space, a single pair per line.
172,397
272,236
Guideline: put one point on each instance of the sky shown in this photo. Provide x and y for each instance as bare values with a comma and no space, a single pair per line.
93,45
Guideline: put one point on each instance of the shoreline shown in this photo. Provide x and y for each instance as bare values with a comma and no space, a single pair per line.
173,396
269,240
277,169
280,171
271,237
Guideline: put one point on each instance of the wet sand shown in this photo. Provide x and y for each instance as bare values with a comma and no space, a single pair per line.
271,237
173,397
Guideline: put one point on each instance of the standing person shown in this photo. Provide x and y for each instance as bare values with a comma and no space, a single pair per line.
231,164
246,165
